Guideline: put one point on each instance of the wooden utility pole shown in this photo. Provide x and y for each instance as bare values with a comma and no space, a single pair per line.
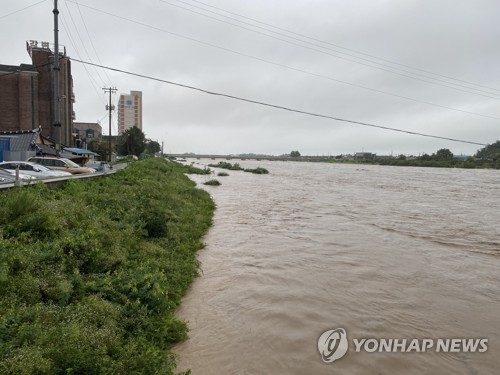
110,108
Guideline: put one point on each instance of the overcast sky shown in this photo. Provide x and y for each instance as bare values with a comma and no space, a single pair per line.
429,66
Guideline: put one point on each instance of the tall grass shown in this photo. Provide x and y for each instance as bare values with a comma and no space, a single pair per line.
90,274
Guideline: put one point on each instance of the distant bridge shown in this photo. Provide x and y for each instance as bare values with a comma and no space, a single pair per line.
250,157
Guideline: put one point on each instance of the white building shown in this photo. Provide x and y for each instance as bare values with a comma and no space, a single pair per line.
130,111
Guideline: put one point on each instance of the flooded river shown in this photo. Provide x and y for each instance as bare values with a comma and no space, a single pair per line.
382,252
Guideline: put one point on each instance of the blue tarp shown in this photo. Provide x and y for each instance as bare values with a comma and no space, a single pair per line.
79,151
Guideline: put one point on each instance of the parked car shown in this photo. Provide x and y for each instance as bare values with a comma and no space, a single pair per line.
99,166
61,164
7,176
33,169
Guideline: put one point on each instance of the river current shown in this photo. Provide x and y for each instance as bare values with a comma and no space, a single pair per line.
382,252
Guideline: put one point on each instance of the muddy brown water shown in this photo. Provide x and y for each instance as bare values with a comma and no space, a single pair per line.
383,252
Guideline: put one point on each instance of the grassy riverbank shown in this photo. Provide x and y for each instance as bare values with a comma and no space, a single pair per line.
90,275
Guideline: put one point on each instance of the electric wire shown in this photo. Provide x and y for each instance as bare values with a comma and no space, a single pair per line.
404,74
76,28
92,43
283,65
92,80
20,10
339,46
285,108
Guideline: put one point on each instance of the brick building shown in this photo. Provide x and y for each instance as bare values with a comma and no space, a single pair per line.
18,101
27,94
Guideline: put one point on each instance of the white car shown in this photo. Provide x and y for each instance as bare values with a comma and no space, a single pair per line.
7,176
32,169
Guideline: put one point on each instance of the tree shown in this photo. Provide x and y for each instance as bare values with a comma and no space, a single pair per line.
489,152
99,147
152,147
444,154
295,154
133,142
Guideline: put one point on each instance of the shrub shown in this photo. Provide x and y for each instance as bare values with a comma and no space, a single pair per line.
226,165
212,182
258,170
91,274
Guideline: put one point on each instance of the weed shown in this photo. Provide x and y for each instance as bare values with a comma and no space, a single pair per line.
90,275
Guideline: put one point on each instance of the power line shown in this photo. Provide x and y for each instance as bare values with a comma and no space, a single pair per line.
282,107
20,10
382,67
92,80
334,45
82,43
91,42
282,65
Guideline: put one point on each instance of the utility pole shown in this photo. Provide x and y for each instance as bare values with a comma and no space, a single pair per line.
57,103
110,108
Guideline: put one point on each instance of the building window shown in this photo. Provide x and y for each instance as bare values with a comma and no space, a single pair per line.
90,133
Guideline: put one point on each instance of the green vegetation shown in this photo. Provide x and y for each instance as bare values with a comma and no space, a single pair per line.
133,142
487,157
490,152
237,167
226,165
99,147
258,170
90,275
212,182
295,154
152,147
189,169
222,174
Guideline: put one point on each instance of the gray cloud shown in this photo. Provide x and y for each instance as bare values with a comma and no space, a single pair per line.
451,38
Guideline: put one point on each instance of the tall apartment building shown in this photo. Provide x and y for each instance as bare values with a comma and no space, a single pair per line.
27,94
130,111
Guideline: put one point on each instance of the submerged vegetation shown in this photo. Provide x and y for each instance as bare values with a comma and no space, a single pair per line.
189,169
222,174
226,165
237,167
212,182
90,274
258,170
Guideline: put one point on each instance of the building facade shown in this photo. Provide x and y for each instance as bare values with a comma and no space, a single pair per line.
130,111
18,98
84,132
27,94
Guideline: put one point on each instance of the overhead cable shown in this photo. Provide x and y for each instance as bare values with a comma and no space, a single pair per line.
20,10
282,107
335,45
283,65
382,67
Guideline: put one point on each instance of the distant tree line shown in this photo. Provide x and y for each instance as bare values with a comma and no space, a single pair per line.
486,157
